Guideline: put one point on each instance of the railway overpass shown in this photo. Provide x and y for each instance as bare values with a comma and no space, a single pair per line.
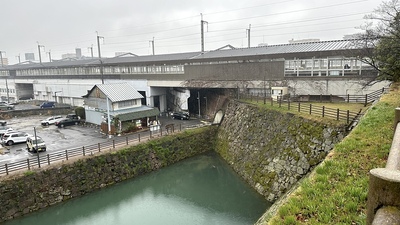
195,80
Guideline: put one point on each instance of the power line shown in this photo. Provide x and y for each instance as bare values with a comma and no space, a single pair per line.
282,13
250,7
181,38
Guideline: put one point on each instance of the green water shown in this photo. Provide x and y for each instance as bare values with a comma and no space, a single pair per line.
199,191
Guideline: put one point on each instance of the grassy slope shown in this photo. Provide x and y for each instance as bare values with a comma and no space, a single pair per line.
336,192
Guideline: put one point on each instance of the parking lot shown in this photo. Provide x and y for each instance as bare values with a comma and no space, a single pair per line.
59,139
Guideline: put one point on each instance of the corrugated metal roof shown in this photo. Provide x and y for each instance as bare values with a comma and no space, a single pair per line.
133,115
222,53
119,92
285,48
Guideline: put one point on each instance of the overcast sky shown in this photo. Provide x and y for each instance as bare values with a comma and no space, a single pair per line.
130,25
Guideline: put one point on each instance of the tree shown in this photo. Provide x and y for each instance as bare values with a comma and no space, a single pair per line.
382,35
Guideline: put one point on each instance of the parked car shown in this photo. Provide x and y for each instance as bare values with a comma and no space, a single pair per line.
73,116
35,144
50,120
67,122
48,105
5,106
181,115
4,129
14,137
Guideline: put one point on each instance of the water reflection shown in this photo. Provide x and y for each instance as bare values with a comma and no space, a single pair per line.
200,190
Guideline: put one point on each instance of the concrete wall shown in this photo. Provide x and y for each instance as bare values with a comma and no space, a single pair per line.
30,112
333,85
22,194
271,150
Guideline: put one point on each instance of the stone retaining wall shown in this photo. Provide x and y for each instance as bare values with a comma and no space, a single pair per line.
4,115
273,150
35,190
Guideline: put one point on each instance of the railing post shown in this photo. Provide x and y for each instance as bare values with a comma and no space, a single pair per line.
348,116
29,166
280,101
66,154
48,159
161,131
366,100
337,114
348,98
113,143
139,137
299,107
98,146
150,134
396,117
83,150
384,185
6,168
126,140
288,104
310,108
323,111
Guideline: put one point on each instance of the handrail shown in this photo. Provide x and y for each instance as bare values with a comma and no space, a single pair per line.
383,206
38,160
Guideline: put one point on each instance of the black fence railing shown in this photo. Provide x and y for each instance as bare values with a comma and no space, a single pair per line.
363,99
39,160
337,114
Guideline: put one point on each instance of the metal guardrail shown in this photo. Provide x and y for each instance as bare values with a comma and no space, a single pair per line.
42,160
366,99
336,114
383,206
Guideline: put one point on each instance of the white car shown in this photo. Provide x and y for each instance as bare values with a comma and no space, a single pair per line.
13,137
50,120
5,129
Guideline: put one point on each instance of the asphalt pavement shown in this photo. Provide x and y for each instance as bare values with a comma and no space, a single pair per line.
60,139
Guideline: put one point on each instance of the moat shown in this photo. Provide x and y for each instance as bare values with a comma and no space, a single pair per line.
200,190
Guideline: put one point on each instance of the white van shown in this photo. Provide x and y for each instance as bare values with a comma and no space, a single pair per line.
35,144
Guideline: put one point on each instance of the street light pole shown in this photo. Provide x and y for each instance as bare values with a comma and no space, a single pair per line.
108,118
198,100
37,150
55,95
206,105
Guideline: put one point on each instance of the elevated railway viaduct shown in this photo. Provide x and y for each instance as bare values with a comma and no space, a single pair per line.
186,81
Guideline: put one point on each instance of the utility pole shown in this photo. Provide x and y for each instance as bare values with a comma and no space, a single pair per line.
202,32
152,45
248,36
101,62
91,50
265,92
198,100
37,150
40,55
2,65
49,55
